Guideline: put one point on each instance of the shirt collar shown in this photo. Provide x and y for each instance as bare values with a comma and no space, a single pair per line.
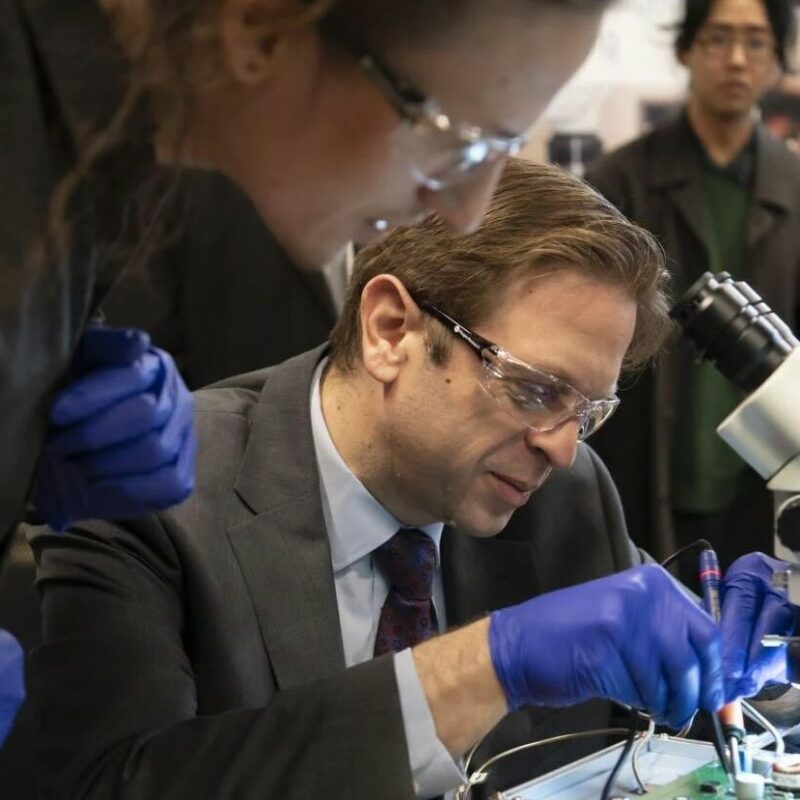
357,523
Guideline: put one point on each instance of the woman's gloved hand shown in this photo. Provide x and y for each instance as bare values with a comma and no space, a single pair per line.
752,608
12,682
634,637
121,441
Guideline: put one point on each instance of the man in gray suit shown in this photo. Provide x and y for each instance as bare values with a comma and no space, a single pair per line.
348,504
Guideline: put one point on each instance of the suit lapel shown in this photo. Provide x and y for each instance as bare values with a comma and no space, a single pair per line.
772,193
761,220
481,575
283,551
676,171
691,205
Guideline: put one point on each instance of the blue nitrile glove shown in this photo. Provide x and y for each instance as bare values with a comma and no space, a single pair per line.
751,608
634,637
12,682
121,441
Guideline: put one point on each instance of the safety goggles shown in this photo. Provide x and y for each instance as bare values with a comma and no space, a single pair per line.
441,152
536,399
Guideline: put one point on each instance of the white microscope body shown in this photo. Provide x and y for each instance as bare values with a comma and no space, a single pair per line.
732,327
764,429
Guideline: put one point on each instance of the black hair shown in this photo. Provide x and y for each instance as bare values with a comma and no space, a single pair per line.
782,20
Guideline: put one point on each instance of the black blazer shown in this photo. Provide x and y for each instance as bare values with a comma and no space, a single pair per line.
58,74
197,653
224,298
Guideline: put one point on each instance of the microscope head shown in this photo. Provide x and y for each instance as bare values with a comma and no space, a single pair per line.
732,327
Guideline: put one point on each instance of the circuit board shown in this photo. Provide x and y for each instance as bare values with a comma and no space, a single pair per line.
703,783
707,782
670,768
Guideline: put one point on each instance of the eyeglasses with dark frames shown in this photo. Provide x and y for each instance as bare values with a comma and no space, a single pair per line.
537,399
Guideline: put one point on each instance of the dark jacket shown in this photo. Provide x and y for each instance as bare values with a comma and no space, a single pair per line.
197,653
223,292
224,298
656,181
57,75
211,294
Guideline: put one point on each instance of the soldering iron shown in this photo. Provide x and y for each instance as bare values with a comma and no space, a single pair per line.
729,715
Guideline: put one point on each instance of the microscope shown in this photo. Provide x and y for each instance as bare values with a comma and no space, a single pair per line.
731,326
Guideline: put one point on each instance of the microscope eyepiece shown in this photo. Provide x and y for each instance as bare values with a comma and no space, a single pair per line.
731,326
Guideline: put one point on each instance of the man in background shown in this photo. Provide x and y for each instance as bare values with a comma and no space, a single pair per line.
720,193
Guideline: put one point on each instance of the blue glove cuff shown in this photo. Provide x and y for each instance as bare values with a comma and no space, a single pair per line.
502,657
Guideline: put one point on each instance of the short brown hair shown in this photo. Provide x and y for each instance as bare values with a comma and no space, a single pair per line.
541,218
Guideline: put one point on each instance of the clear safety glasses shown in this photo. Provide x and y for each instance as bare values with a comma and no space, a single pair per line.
441,152
534,398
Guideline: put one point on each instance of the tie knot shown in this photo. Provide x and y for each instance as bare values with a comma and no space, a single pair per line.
407,561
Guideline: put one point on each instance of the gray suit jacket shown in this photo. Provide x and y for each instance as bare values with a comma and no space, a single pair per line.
197,653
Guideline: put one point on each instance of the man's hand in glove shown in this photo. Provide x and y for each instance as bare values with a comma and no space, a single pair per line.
752,608
634,637
121,441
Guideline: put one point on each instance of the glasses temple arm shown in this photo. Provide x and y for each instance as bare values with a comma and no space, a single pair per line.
474,340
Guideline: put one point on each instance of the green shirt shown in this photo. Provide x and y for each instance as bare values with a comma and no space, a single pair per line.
705,470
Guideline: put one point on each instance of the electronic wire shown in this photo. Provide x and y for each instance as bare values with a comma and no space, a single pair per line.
479,776
757,717
684,731
700,544
626,749
471,755
718,739
643,740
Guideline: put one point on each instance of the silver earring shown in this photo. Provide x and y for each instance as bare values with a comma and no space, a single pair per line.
379,225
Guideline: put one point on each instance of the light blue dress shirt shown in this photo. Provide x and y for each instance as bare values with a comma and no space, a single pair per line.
358,524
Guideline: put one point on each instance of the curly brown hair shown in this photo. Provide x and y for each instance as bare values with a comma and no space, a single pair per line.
175,54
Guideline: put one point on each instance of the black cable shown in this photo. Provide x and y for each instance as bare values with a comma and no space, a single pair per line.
717,736
479,775
719,741
699,544
626,749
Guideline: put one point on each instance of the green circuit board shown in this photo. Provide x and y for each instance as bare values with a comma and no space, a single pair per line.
703,783
707,782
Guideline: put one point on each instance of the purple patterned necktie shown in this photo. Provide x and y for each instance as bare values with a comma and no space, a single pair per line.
407,561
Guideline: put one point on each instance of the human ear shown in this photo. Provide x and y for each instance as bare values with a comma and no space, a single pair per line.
253,35
389,320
